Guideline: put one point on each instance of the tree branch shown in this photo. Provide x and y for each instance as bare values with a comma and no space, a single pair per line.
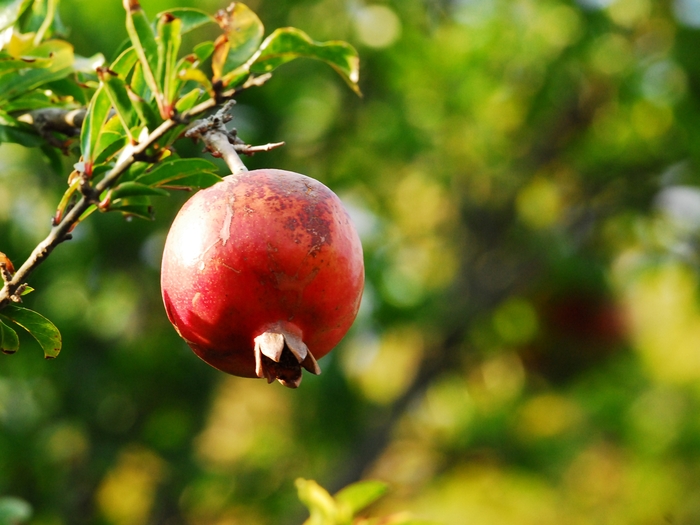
60,232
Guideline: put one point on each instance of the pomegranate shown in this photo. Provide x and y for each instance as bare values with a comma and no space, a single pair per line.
262,274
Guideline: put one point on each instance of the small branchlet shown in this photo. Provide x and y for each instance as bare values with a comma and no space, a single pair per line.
222,142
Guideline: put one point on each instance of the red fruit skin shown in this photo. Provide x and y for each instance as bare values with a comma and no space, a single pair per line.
261,250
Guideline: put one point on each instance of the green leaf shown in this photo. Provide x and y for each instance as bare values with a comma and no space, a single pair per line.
15,64
39,327
321,505
289,43
203,50
119,97
191,18
14,511
10,11
132,189
189,100
9,342
169,41
195,181
136,206
123,64
243,32
88,64
176,172
146,113
110,143
17,83
360,495
96,116
144,41
196,75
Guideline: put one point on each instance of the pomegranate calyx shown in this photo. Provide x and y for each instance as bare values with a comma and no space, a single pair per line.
281,355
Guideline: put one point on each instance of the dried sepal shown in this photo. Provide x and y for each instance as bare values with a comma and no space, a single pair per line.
281,355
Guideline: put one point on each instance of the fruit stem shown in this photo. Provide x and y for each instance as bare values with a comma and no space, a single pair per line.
219,142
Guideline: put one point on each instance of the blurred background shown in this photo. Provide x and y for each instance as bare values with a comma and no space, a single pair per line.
525,178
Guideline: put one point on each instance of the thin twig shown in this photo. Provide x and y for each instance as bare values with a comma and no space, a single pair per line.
221,142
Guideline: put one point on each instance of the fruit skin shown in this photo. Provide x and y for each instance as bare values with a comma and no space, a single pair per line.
265,251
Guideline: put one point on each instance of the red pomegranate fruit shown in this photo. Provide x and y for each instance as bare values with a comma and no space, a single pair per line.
262,274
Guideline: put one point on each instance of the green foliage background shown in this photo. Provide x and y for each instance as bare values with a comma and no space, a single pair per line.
524,175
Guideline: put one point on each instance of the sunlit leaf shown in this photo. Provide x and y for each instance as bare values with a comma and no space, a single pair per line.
88,64
9,342
203,50
43,330
110,143
359,495
243,32
97,113
196,75
169,40
191,18
321,505
15,64
60,55
123,64
289,43
189,100
10,11
144,41
118,96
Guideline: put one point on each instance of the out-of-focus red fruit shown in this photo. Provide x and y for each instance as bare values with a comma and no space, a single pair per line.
262,274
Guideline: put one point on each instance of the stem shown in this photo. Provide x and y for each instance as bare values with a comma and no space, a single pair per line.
218,141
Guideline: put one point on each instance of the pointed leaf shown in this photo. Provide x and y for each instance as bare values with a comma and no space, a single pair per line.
189,100
289,43
203,50
169,41
96,116
110,143
191,18
359,495
43,330
132,189
243,32
144,41
196,181
9,342
123,64
119,97
172,171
